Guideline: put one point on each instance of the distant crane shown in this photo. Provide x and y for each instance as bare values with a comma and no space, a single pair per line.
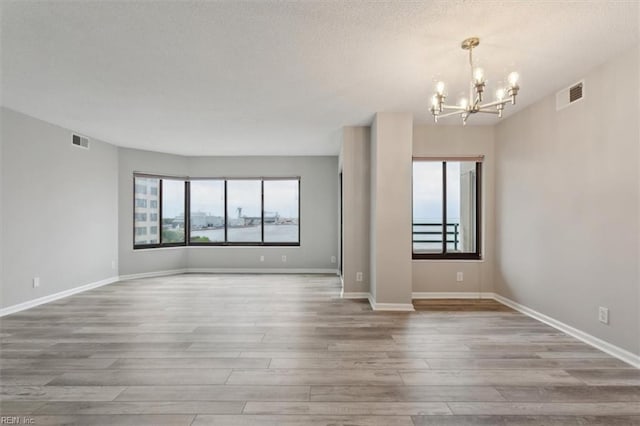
239,209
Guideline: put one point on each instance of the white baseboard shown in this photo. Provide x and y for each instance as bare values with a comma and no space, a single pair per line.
452,295
397,307
261,271
354,295
152,274
50,298
613,350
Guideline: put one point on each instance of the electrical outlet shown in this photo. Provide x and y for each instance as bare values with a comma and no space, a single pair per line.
359,276
603,315
333,259
284,258
36,282
460,277
261,258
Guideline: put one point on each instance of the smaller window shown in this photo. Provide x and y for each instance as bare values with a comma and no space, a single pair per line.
141,231
153,204
153,217
142,203
446,209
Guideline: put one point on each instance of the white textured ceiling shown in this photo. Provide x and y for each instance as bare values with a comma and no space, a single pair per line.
274,77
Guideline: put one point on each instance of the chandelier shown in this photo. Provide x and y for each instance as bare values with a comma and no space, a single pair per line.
474,104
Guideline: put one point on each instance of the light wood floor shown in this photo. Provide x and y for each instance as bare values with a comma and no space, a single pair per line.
286,350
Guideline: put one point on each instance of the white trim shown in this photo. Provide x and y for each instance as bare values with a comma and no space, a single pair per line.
152,274
261,271
354,294
451,295
52,297
401,307
607,347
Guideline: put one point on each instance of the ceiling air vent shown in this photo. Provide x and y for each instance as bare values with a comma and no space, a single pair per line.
80,141
570,95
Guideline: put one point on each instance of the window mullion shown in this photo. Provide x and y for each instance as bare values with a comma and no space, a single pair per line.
187,212
444,207
226,213
262,211
160,212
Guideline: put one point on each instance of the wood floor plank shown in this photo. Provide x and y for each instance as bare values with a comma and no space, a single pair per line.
215,393
277,377
488,377
524,364
583,393
404,393
539,420
547,408
201,363
267,420
348,408
353,364
115,420
608,377
143,377
60,393
147,407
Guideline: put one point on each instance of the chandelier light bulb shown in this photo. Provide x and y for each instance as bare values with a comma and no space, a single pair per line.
513,79
440,88
478,75
464,103
434,101
500,94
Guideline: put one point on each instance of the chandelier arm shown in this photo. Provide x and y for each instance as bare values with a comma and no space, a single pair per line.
488,111
451,114
495,103
454,107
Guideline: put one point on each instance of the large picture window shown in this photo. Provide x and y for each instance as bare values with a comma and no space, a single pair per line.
244,211
281,211
216,211
207,222
446,208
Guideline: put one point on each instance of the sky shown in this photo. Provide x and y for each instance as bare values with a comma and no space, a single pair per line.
427,190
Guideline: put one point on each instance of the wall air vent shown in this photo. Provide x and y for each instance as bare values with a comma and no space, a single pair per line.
80,141
570,95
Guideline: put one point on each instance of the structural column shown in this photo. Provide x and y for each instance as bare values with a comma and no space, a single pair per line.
390,229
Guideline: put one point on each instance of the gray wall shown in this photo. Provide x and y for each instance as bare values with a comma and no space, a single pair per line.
59,209
356,207
318,218
568,206
440,275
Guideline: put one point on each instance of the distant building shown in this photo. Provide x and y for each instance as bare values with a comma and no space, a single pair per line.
201,220
146,211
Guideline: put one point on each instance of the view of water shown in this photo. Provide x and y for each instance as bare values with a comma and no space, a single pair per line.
272,234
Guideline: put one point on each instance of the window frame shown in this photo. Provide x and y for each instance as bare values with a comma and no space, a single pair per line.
444,254
161,178
187,210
